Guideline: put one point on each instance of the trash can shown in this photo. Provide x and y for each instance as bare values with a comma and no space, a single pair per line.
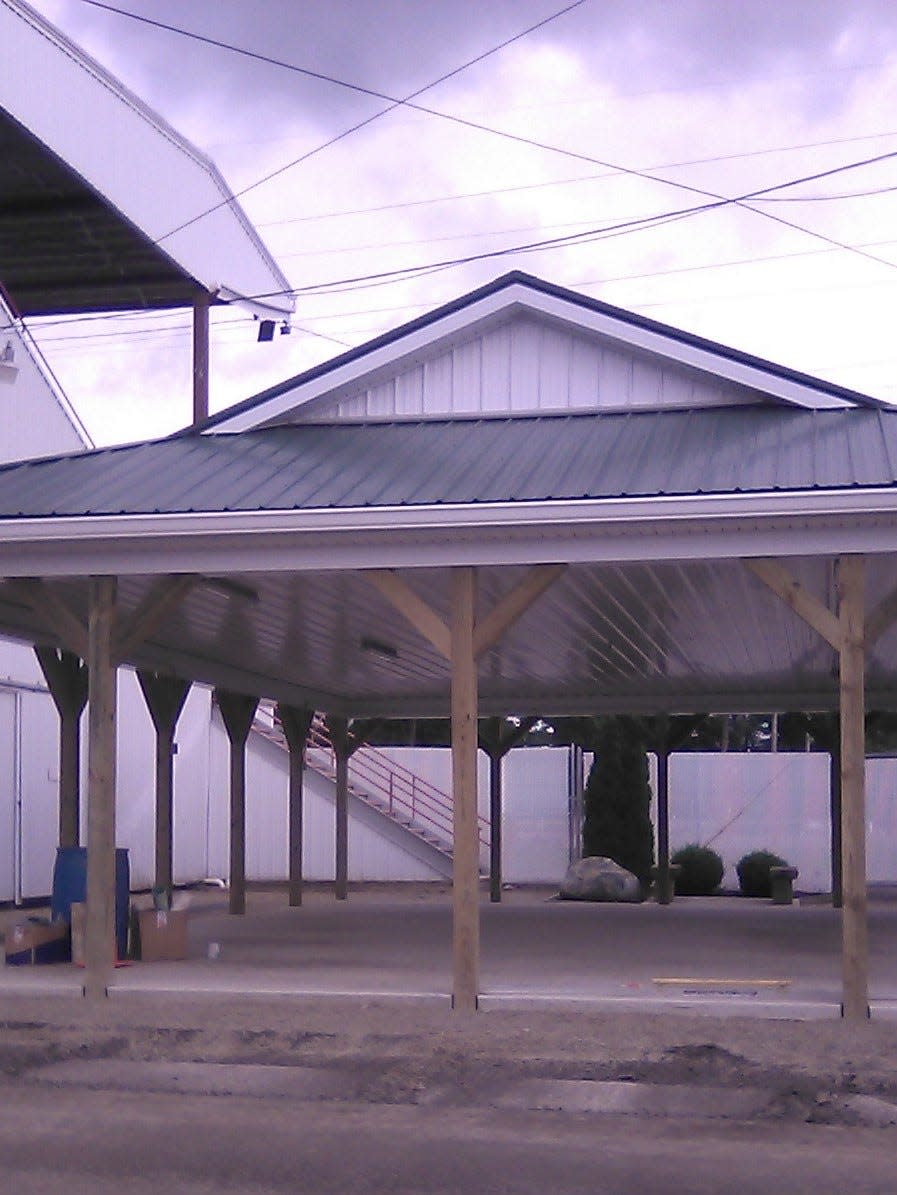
70,887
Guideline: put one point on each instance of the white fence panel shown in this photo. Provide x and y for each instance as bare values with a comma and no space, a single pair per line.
535,815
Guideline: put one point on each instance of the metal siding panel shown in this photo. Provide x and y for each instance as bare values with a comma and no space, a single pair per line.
555,351
467,379
677,389
647,384
410,391
535,815
8,791
496,370
381,399
40,792
585,368
737,802
524,367
438,384
615,379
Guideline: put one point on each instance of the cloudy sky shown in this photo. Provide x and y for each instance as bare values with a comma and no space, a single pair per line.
730,97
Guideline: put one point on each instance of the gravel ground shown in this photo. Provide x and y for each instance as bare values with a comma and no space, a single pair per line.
396,1051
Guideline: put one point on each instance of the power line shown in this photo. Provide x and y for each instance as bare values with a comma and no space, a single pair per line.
563,182
407,101
392,101
365,281
828,198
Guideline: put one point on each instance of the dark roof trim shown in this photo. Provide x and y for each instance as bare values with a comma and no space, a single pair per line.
577,299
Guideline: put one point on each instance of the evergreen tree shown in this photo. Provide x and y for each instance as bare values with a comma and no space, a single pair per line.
617,821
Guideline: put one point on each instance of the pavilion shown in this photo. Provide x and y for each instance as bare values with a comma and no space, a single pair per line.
525,501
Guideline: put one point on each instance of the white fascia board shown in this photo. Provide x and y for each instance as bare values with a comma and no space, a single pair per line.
132,157
658,344
468,320
619,530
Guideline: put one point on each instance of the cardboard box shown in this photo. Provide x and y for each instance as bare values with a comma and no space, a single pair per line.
163,934
37,941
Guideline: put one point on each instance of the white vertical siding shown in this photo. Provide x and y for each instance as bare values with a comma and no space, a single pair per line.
8,844
535,816
745,802
371,856
33,419
39,778
530,365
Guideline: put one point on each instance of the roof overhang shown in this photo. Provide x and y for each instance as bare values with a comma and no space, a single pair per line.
99,197
704,527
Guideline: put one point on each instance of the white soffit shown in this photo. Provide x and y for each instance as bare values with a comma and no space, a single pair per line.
154,177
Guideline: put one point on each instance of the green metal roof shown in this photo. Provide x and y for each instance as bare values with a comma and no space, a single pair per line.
467,461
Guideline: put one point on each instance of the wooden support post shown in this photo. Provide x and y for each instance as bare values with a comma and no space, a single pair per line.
296,724
466,872
664,887
165,697
201,358
237,711
100,928
339,736
854,925
66,677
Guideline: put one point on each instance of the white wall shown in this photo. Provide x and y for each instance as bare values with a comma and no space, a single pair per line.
371,855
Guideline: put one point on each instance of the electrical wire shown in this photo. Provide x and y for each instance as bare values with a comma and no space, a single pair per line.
563,182
392,101
408,101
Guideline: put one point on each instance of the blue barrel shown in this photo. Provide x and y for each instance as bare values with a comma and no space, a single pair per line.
70,887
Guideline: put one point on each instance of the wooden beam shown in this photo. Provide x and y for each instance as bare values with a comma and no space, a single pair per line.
774,575
881,618
165,697
421,616
296,724
854,921
237,712
66,677
64,624
514,604
164,596
201,357
466,866
100,950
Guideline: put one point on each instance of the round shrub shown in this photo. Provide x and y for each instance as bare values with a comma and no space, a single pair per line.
701,870
753,872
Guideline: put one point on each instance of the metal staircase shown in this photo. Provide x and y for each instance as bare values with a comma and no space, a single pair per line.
392,790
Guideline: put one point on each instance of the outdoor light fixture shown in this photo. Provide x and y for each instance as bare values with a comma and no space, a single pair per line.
377,648
285,328
266,329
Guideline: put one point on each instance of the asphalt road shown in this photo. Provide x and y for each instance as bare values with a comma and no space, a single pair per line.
76,1140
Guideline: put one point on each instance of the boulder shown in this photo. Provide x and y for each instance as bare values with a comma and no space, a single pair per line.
597,878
